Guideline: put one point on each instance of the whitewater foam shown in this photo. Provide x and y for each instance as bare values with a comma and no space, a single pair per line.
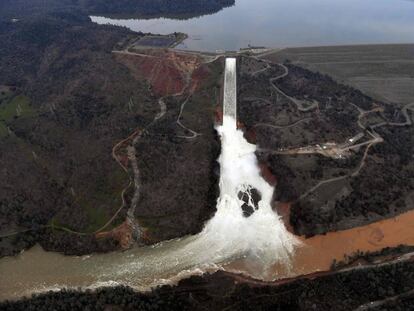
263,234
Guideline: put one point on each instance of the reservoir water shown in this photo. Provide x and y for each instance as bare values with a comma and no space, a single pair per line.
288,23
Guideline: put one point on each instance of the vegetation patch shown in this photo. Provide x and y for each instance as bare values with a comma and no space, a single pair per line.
15,107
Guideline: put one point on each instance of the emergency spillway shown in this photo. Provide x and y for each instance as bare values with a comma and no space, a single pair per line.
260,238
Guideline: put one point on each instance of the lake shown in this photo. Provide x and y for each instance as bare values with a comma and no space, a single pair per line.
288,23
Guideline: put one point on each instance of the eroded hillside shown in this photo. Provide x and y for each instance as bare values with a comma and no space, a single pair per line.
66,101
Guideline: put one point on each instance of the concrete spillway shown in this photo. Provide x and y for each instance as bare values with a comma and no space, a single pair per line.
230,90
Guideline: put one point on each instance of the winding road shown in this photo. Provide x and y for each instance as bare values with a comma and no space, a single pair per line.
375,137
298,103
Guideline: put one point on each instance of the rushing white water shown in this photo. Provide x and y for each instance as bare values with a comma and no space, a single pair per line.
261,238
230,92
229,235
263,234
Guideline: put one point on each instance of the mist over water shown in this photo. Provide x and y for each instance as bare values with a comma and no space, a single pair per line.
263,235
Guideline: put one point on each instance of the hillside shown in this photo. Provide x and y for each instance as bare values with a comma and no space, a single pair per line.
67,101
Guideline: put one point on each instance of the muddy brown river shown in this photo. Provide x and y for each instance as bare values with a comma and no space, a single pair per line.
317,253
36,270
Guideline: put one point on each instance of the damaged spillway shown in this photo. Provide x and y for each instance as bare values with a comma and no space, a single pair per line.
244,228
261,237
230,93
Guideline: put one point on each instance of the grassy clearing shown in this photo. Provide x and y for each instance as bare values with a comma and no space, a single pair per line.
97,211
98,204
97,217
13,108
103,202
18,106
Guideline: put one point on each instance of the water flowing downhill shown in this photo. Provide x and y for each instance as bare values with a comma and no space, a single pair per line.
261,238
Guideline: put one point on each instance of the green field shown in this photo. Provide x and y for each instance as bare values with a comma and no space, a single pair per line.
12,107
18,106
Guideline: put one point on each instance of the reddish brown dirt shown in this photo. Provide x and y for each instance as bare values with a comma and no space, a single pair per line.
122,234
199,75
218,114
146,238
123,159
267,174
250,135
166,71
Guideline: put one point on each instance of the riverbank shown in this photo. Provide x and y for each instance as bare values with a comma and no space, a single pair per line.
377,287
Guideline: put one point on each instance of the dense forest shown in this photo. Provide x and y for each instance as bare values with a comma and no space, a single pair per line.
139,8
155,7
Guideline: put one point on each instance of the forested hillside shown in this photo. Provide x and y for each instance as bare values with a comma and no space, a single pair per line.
141,8
65,102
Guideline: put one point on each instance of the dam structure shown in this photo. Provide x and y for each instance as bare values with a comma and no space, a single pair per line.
259,241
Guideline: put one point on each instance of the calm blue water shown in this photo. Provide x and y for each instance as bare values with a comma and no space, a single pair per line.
281,23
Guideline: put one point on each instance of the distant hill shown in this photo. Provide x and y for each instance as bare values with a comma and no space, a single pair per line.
150,8
138,8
